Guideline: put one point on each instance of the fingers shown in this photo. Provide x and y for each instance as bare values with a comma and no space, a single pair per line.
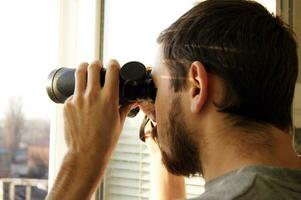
149,109
124,110
111,86
87,79
142,131
150,138
93,84
87,82
80,79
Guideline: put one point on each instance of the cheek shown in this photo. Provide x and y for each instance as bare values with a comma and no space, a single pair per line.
163,100
162,107
160,111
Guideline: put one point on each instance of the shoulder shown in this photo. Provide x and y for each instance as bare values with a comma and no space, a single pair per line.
229,186
255,183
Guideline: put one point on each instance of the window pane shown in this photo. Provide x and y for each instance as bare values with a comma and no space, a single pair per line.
131,30
28,51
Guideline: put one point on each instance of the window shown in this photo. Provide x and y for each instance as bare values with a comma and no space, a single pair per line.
38,36
29,43
130,32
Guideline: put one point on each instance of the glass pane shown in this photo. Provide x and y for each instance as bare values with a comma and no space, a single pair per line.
131,30
28,52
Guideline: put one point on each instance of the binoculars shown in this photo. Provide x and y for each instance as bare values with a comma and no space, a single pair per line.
135,84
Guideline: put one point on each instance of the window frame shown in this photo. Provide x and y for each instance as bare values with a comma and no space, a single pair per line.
73,50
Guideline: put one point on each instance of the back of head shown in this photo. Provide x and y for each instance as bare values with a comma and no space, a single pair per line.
252,51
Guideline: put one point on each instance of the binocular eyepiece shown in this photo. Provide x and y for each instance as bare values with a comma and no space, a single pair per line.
135,84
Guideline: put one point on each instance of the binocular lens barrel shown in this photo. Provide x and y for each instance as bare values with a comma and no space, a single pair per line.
135,84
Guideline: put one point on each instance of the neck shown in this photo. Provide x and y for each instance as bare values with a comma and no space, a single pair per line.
231,149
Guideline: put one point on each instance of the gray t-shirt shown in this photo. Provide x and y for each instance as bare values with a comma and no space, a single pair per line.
255,182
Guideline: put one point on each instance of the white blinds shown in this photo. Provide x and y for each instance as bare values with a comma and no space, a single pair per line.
128,174
194,186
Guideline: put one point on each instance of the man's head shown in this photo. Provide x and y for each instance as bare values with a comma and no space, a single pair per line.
250,52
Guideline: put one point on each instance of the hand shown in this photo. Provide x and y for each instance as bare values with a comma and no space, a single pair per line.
149,109
150,129
93,121
151,139
93,118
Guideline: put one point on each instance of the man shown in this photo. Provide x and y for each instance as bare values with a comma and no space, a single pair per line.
225,76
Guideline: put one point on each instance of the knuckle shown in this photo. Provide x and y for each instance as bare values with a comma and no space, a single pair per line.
78,101
92,91
90,97
91,67
67,106
106,99
109,98
94,65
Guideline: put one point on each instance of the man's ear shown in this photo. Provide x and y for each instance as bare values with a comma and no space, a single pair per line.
199,85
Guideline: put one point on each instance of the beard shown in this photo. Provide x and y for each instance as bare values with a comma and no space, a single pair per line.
184,157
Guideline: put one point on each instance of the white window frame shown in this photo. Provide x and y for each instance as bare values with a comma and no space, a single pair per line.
78,41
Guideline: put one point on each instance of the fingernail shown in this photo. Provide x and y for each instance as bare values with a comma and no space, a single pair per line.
96,62
113,62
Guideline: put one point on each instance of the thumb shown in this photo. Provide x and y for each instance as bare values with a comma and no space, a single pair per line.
125,109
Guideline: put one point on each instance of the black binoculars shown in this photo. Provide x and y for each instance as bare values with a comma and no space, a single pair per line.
135,84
